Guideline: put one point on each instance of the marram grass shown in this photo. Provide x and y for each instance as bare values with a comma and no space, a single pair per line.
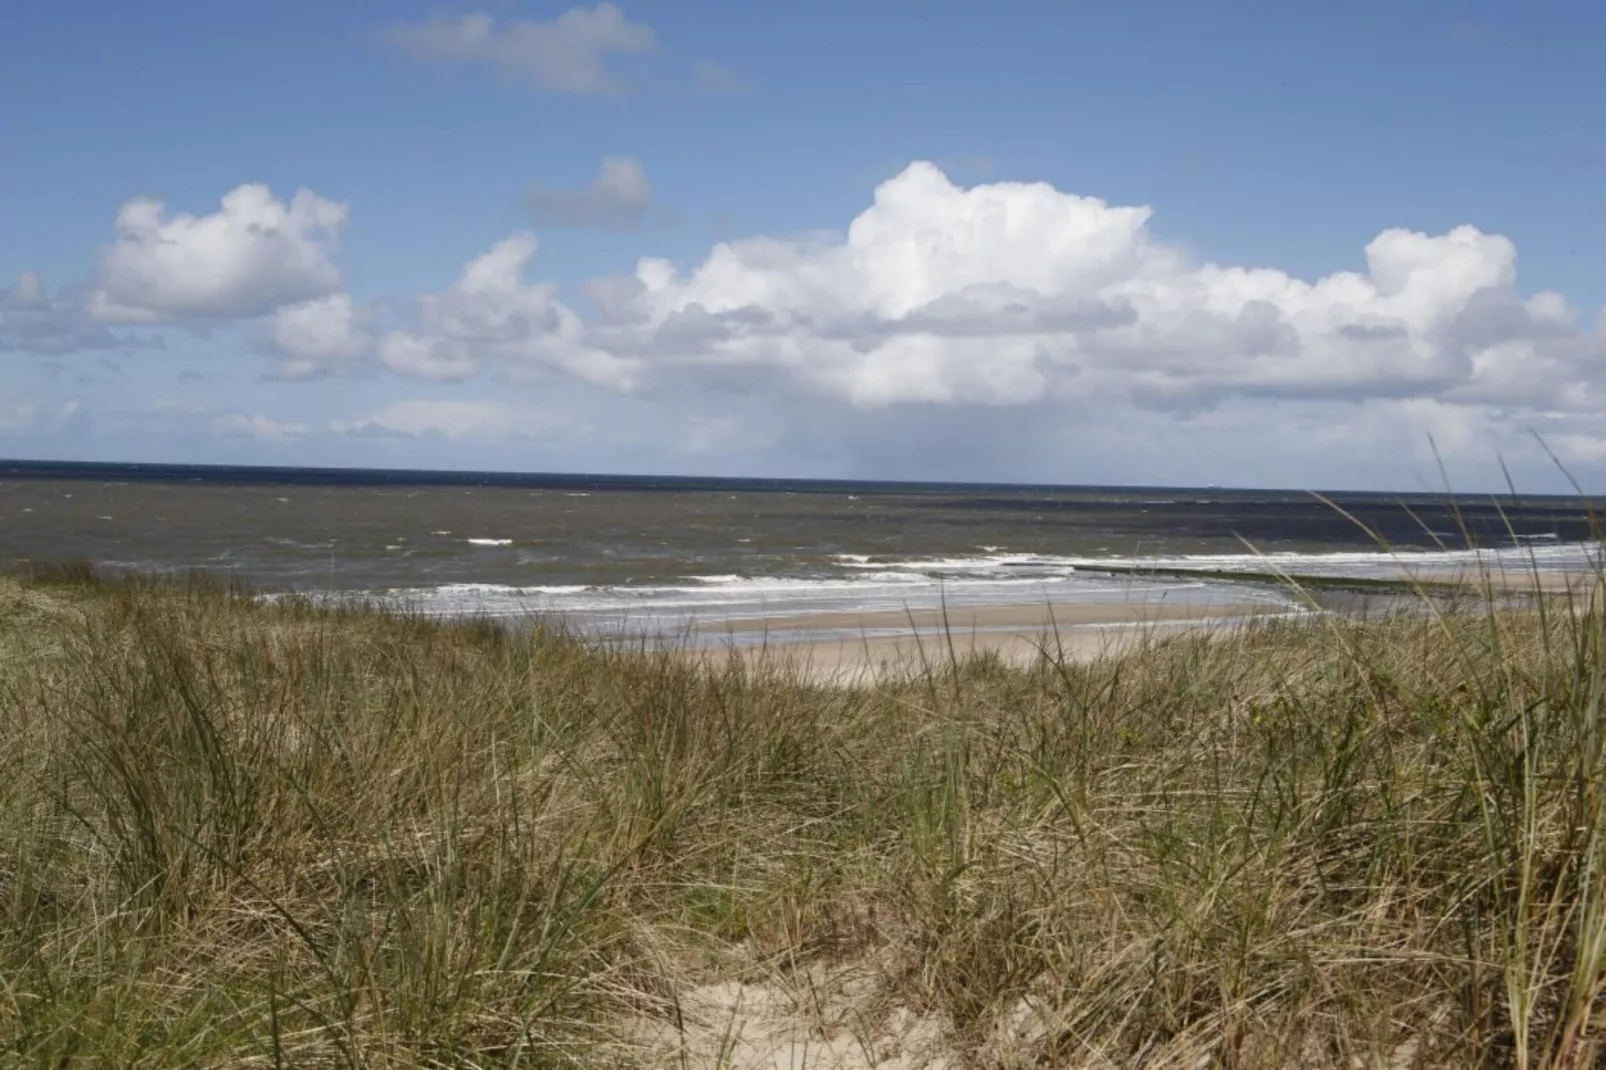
237,834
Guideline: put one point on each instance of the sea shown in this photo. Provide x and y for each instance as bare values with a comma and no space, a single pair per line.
633,555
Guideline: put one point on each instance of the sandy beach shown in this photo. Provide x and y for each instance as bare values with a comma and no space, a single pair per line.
857,647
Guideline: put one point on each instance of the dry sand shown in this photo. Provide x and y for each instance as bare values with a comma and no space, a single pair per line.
1580,584
857,647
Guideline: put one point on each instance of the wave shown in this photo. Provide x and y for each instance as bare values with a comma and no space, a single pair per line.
729,598
866,583
1529,555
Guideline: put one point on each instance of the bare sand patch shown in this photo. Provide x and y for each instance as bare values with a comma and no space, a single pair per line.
846,647
829,1023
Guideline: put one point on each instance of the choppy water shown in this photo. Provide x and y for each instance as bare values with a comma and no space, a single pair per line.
629,553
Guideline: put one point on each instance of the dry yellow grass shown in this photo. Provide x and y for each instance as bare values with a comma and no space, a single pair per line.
235,834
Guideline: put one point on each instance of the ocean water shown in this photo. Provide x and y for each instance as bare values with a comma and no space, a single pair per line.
616,554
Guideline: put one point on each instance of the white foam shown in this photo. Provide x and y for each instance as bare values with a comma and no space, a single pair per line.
864,583
1359,564
729,598
1373,564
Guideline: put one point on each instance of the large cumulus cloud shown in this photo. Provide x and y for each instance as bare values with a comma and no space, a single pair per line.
1010,293
1014,294
251,256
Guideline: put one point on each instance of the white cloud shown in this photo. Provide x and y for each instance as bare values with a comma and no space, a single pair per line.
489,420
1582,449
1065,316
421,356
324,336
254,254
256,425
619,196
569,54
491,313
945,329
1014,293
1062,314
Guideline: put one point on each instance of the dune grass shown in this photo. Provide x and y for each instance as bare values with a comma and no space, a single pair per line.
238,834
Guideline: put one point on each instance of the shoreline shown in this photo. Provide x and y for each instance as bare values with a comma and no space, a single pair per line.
857,647
848,645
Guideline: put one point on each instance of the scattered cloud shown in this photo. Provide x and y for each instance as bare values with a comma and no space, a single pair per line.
713,79
619,197
256,425
946,329
254,254
569,54
490,420
20,416
32,321
324,336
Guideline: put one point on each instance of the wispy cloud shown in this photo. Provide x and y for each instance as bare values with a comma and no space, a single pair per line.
256,425
35,322
568,54
715,79
619,197
460,420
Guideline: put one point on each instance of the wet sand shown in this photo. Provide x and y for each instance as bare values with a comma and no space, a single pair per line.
857,647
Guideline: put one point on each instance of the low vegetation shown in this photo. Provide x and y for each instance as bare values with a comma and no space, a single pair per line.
246,834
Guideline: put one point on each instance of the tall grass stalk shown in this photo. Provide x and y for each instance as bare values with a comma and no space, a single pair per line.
235,833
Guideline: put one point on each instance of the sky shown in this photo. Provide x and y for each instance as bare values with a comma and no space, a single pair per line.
1356,245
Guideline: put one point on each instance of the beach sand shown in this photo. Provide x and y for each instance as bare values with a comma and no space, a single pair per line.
859,647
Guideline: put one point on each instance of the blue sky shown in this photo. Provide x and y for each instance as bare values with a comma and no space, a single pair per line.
937,339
